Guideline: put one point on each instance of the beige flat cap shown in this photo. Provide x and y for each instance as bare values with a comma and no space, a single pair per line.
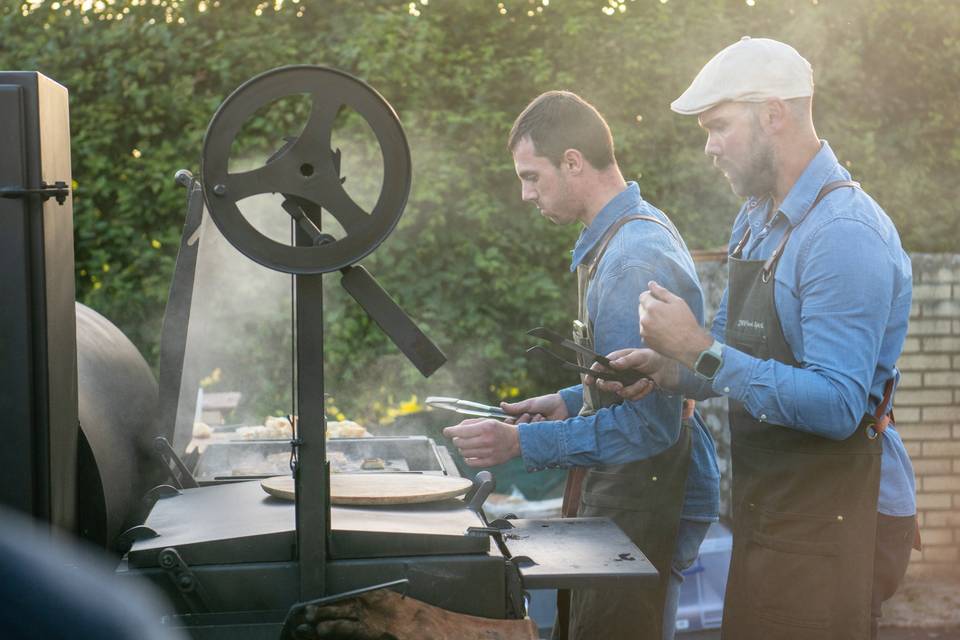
751,70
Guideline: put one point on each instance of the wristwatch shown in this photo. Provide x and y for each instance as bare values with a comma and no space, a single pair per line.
709,361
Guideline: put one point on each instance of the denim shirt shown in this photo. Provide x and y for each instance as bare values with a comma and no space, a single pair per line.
641,251
842,289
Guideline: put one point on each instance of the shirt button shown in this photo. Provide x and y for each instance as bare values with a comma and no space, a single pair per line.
763,417
726,389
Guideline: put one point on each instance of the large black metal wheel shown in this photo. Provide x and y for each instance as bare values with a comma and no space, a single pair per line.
305,170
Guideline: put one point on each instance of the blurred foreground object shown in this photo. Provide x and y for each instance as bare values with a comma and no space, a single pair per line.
50,589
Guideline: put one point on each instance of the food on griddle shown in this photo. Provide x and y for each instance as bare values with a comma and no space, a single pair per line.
346,429
281,424
278,428
202,430
274,428
373,464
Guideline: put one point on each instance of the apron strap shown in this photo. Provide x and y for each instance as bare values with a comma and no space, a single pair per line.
615,227
738,250
883,414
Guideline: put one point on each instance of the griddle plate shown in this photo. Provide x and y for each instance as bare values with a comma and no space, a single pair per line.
577,553
238,522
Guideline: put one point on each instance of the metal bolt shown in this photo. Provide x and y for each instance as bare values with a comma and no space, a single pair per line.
185,582
220,189
167,560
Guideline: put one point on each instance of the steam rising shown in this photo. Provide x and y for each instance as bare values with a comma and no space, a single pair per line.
239,332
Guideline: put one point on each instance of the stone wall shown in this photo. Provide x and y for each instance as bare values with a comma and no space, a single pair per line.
927,403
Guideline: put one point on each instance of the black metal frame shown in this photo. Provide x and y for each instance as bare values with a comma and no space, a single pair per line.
38,372
307,172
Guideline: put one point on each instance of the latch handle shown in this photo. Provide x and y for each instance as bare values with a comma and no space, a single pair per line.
58,190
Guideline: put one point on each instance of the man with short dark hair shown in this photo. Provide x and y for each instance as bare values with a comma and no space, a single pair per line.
636,462
804,345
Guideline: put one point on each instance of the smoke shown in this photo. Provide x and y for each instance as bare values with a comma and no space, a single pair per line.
239,332
239,335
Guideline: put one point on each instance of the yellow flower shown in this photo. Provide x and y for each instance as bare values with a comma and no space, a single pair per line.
211,379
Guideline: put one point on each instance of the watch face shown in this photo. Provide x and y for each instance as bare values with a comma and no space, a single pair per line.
707,365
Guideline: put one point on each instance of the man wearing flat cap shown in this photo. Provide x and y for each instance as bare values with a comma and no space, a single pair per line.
804,347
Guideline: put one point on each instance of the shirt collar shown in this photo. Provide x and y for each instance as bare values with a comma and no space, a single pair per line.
627,201
821,169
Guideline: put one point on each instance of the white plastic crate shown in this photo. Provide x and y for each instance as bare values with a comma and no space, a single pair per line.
704,583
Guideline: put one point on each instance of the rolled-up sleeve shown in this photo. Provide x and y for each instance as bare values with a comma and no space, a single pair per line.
573,399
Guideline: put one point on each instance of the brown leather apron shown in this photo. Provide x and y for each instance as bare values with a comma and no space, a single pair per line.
804,506
644,498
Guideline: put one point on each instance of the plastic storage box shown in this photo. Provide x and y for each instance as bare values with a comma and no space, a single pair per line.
704,583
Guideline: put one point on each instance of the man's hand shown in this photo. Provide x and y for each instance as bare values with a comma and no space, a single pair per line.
669,327
664,372
548,407
484,442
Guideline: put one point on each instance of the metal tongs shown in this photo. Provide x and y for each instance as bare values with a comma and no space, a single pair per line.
466,407
625,377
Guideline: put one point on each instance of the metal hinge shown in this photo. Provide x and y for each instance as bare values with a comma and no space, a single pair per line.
184,579
58,190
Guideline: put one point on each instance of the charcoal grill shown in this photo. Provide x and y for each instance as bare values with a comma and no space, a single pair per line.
236,562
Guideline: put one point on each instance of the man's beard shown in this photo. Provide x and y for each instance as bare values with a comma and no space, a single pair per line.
759,177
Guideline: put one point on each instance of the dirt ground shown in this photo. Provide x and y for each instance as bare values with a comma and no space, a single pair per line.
925,608
887,633
924,603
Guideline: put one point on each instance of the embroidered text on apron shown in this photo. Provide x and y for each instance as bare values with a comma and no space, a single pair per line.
644,498
804,506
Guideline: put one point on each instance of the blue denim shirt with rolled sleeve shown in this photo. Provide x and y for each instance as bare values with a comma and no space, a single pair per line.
631,430
842,290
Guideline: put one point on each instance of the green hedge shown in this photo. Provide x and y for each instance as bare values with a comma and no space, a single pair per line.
469,260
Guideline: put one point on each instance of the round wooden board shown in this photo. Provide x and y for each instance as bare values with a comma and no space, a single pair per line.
378,488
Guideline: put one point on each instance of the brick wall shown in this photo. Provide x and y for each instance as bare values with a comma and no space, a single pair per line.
928,409
927,404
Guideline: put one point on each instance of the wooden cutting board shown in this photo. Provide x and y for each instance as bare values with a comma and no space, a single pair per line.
378,488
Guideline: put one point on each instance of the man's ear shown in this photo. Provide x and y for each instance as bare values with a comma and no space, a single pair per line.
572,161
774,115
